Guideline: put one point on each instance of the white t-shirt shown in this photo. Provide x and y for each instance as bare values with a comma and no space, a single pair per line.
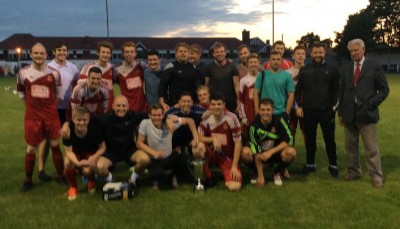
69,73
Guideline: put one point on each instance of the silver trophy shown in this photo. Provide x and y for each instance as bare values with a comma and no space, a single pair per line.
196,169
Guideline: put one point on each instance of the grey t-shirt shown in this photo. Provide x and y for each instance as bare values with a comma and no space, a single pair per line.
157,139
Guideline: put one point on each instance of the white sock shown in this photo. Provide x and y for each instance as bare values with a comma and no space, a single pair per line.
109,177
134,176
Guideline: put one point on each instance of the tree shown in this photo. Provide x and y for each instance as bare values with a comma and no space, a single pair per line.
359,25
387,30
308,40
378,25
327,42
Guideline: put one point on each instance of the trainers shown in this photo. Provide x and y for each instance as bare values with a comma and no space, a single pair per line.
62,180
26,186
333,170
44,177
174,182
91,186
286,174
277,179
155,185
72,193
308,168
253,179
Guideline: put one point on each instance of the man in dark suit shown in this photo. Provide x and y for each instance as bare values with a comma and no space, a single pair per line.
363,87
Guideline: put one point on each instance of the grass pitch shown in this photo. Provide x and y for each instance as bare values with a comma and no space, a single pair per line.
316,201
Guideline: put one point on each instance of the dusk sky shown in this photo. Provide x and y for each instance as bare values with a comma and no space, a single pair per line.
177,18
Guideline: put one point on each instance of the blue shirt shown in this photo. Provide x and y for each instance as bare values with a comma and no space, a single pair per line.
152,82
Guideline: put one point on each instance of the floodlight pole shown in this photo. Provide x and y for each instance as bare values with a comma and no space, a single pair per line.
108,32
273,21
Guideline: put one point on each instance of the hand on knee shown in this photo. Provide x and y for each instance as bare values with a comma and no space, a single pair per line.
233,185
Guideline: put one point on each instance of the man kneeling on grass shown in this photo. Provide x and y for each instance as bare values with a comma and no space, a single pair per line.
222,130
155,139
82,149
270,142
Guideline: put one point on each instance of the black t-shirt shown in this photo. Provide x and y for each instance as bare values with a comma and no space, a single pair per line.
119,132
221,80
87,144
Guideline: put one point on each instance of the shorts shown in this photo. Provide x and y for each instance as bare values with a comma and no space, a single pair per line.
62,114
275,158
223,162
84,156
36,130
115,156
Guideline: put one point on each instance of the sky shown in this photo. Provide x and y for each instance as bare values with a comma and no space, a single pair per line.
177,18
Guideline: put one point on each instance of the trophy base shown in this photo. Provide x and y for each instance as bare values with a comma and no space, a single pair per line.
199,186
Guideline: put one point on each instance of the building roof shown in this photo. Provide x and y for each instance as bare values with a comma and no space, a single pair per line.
25,41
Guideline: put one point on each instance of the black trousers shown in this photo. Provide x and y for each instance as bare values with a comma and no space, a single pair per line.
175,162
326,119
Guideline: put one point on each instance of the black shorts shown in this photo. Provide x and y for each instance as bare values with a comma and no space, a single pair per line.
275,158
115,156
62,114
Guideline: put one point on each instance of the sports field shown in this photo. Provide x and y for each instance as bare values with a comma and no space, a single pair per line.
316,201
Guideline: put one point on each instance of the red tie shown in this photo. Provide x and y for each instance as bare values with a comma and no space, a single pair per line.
356,74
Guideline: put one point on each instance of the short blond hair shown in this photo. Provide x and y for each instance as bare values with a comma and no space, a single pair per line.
80,111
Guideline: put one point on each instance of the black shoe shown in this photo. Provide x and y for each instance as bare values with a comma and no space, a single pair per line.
333,170
308,168
133,188
26,186
44,177
62,181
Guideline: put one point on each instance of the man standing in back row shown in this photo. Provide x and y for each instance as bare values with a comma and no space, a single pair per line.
131,78
104,52
279,47
317,92
152,76
223,77
363,88
39,87
178,76
277,85
69,76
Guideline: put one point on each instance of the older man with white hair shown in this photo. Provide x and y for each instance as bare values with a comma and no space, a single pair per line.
363,87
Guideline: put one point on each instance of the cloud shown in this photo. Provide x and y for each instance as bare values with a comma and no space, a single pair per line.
181,18
205,18
126,17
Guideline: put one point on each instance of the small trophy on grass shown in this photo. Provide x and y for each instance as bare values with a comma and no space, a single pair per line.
196,169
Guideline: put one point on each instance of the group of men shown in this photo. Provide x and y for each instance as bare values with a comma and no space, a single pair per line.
230,114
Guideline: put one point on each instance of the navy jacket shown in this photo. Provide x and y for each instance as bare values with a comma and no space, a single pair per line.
371,89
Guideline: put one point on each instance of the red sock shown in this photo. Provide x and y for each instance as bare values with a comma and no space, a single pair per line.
29,166
58,160
71,177
206,170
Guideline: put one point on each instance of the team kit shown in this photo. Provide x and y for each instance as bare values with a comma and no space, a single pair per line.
193,122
